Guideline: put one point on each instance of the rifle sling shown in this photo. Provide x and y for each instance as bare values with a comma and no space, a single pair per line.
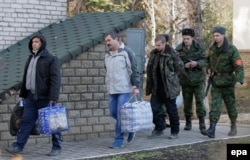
217,62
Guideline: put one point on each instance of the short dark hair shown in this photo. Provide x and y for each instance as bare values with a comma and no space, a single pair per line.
112,34
166,37
161,38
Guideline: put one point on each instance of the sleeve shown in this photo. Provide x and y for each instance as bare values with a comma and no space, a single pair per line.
238,66
178,63
55,79
202,60
135,74
149,79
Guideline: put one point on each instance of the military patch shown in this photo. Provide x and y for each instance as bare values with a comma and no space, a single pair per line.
211,52
238,62
182,53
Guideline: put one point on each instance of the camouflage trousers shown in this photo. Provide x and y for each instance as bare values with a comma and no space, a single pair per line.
227,94
198,92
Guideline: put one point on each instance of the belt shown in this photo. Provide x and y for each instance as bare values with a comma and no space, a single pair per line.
222,73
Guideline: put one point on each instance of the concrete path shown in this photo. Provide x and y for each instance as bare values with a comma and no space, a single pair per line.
96,148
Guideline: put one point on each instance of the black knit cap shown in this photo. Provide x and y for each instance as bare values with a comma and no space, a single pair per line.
188,32
219,29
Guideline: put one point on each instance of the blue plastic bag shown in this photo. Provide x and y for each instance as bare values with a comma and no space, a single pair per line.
52,119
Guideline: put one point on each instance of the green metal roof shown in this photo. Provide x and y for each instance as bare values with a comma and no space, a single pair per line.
66,39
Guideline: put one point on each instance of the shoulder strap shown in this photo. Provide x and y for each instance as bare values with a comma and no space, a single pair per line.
217,62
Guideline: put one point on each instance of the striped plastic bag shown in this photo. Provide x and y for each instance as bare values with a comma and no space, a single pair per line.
136,115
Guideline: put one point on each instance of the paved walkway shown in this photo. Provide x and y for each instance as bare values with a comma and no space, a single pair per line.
97,148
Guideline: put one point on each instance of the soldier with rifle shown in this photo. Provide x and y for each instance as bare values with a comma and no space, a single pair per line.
193,78
226,71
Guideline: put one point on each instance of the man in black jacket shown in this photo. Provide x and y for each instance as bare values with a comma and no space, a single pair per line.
163,68
40,87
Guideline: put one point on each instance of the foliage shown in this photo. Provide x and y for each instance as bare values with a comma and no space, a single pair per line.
170,16
216,13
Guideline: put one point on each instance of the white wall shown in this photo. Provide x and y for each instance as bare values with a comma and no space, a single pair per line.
20,18
241,24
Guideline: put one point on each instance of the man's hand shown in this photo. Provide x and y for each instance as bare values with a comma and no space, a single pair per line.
188,65
52,102
135,91
193,64
237,85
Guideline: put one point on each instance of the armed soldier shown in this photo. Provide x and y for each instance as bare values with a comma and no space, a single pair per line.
193,78
226,67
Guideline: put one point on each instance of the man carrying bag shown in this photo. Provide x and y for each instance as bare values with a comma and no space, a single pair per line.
40,86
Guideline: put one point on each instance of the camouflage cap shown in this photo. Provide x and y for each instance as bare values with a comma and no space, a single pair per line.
219,29
188,32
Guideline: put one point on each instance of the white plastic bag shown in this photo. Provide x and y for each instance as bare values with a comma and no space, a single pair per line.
136,116
179,100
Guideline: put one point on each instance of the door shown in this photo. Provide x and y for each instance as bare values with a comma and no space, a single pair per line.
136,40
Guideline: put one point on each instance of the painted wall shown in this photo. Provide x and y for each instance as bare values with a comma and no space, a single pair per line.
20,18
241,24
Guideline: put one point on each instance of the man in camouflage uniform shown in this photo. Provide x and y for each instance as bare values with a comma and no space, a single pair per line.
193,78
163,68
226,68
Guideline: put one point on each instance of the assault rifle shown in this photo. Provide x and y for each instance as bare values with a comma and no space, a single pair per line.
208,84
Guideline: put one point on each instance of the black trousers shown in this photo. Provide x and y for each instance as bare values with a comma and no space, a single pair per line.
157,101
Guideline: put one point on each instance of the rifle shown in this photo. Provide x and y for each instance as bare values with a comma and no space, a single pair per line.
209,80
208,84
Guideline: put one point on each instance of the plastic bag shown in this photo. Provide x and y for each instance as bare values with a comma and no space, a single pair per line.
53,119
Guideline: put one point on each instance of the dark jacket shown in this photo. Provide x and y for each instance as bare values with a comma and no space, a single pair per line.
171,67
48,78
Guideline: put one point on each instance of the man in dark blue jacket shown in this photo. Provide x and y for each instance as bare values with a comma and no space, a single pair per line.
40,87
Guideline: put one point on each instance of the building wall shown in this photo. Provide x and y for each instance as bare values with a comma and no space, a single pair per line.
20,18
84,94
245,55
241,23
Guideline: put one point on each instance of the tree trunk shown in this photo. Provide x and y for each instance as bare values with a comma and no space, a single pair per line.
195,21
150,5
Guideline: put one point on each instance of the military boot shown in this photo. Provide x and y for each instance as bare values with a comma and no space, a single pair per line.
233,130
211,130
202,126
188,125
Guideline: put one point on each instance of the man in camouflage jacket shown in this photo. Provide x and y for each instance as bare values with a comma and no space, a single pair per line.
164,67
226,68
193,78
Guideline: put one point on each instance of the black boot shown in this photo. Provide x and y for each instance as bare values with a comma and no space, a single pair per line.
211,130
202,126
188,125
233,130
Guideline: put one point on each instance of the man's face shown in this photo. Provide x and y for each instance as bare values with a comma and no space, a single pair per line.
36,44
218,38
110,42
187,40
159,45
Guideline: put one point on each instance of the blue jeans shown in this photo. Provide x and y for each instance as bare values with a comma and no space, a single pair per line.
115,103
29,118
